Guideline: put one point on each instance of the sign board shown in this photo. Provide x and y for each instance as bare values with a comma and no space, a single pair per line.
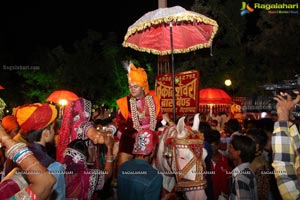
186,92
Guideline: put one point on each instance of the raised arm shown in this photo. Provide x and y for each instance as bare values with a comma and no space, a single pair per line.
39,179
285,141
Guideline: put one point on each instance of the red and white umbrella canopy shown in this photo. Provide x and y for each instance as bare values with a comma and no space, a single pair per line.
190,31
169,31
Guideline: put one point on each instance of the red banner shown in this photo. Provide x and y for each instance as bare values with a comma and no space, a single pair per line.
186,91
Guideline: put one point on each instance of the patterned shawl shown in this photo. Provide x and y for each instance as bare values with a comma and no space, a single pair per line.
75,115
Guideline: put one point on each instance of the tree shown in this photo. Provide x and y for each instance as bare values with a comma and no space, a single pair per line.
92,69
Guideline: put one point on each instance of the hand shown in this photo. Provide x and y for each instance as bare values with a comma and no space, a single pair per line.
285,105
3,133
166,117
108,139
108,135
95,136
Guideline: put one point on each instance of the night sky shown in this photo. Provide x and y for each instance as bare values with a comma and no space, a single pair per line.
24,26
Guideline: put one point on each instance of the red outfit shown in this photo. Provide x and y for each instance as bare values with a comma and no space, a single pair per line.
221,176
75,123
81,182
125,122
10,187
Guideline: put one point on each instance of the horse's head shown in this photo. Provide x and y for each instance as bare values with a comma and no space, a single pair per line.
189,156
181,152
184,131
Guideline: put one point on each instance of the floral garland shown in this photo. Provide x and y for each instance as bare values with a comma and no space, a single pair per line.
134,113
2,106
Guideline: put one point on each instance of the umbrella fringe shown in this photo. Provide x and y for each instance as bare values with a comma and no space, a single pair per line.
168,52
177,18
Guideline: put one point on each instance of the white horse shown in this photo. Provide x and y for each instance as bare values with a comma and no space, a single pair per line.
180,159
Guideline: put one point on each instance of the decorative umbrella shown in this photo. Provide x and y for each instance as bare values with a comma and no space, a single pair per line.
214,96
211,96
62,97
59,95
166,31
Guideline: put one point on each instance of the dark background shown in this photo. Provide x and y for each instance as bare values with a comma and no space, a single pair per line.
26,25
252,50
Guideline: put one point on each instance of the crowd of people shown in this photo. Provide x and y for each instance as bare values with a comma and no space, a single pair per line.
80,157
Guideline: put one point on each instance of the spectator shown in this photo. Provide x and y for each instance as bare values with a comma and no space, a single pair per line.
267,124
220,166
260,165
250,124
232,127
39,184
82,182
77,124
286,147
137,179
215,125
205,128
244,184
37,122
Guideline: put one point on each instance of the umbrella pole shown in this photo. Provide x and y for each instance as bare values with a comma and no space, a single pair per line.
210,110
173,74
